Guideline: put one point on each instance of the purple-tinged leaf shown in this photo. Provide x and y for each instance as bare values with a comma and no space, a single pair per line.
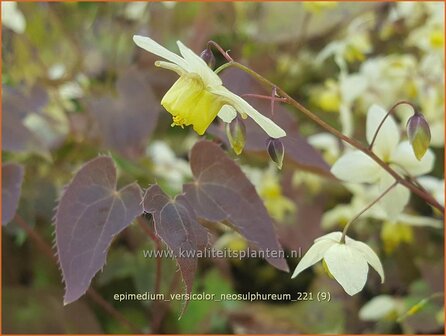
91,212
17,104
22,101
221,192
16,137
126,122
12,178
176,225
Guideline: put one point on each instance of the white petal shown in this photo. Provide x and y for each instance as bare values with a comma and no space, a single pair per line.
352,86
155,48
434,186
227,113
346,117
404,157
242,107
198,65
348,267
396,199
339,214
313,255
420,221
12,17
332,236
325,141
369,255
377,308
170,66
388,136
355,166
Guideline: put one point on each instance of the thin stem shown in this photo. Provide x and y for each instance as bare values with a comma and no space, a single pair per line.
273,96
344,232
411,178
427,197
104,304
91,293
224,66
220,49
392,109
419,305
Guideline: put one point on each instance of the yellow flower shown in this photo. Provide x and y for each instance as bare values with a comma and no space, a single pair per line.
329,97
436,38
276,203
198,96
317,7
395,234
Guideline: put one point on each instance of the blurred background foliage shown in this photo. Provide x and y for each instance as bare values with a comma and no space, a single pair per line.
75,85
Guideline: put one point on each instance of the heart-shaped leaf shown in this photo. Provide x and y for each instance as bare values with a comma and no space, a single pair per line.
126,122
12,178
221,192
91,212
17,104
176,225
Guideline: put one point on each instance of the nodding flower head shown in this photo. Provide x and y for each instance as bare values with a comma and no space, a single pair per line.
198,96
419,134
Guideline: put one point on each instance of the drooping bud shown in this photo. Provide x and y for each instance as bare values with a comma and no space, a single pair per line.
419,134
276,151
236,133
208,57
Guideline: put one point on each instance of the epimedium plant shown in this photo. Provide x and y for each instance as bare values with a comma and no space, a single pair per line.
91,211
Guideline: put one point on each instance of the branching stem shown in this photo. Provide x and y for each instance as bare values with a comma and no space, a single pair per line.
408,184
275,99
220,49
392,109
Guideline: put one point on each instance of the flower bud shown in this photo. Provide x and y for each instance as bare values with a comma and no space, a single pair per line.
326,269
208,57
276,151
419,134
236,133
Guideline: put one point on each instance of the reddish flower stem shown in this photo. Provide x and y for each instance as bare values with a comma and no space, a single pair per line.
275,99
220,49
412,187
392,109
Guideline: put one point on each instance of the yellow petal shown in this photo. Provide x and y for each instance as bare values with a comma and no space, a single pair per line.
191,104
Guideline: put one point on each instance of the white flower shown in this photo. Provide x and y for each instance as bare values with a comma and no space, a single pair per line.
12,17
199,95
348,262
434,186
327,143
363,196
167,165
355,166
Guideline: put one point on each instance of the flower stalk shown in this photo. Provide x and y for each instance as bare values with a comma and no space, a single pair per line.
391,111
347,226
289,100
